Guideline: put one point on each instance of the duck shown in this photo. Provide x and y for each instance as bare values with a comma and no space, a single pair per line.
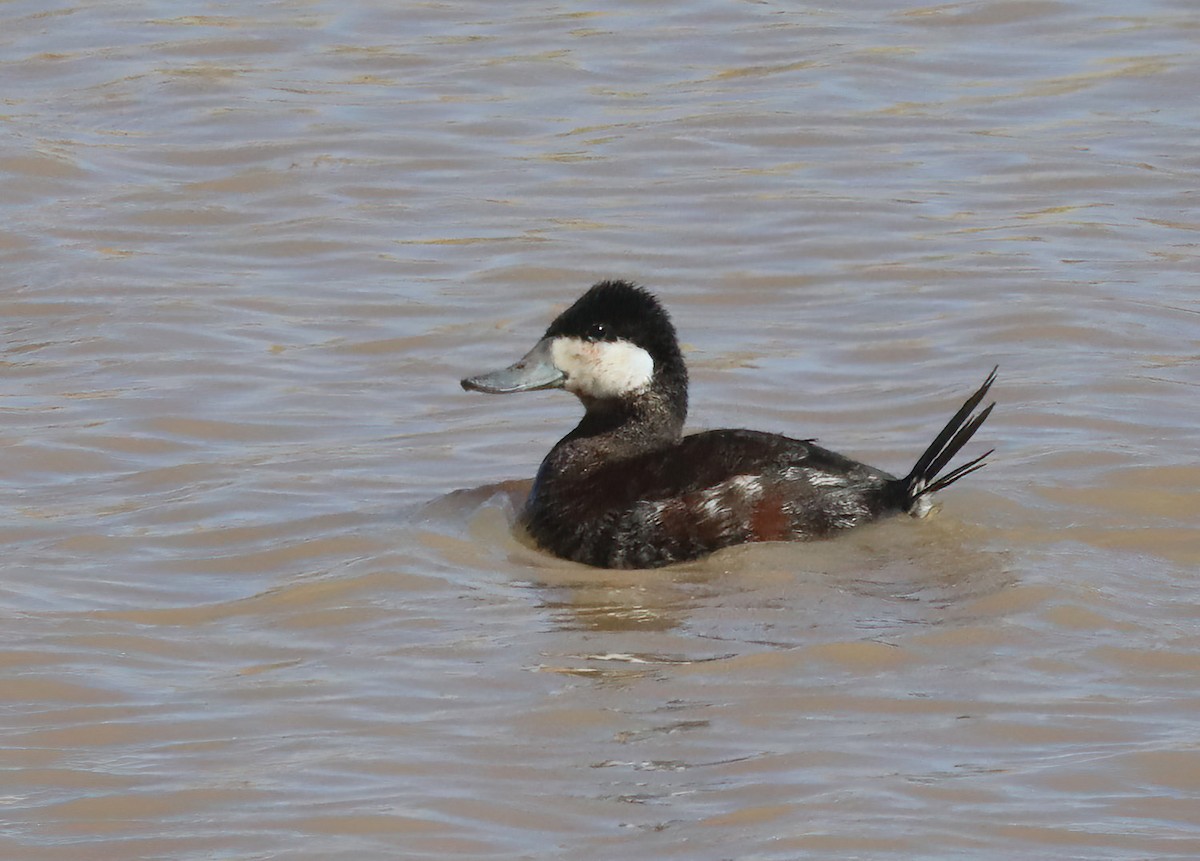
627,488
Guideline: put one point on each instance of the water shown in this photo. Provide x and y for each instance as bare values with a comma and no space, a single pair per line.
261,596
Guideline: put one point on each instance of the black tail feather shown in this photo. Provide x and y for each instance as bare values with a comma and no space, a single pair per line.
923,479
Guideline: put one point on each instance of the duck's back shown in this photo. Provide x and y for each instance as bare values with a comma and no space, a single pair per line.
701,493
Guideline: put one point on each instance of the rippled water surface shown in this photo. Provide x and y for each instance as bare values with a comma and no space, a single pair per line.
261,595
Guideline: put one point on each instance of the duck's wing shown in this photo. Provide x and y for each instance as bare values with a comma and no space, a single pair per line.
712,490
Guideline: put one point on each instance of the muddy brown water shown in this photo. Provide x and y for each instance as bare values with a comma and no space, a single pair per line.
261,596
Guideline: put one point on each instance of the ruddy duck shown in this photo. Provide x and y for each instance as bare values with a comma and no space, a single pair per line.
626,489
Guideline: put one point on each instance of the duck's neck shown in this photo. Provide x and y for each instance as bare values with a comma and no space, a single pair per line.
627,429
611,432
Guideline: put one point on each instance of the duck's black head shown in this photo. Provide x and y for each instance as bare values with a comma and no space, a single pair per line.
614,348
618,311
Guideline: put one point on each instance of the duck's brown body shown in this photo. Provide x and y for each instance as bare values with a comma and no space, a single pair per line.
705,492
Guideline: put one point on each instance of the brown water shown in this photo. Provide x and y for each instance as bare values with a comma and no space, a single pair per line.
260,594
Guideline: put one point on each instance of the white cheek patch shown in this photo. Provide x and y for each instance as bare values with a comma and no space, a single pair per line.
602,369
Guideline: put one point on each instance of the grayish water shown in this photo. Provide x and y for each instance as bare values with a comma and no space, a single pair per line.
261,598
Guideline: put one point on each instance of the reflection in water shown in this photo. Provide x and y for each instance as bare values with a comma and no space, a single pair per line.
878,579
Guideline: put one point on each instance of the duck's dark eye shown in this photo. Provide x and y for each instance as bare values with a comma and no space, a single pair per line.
596,332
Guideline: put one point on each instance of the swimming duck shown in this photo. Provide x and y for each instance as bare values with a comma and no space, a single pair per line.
626,488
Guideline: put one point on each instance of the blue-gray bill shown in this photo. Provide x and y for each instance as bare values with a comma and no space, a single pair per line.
533,372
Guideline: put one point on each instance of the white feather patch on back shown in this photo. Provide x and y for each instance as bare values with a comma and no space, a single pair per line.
602,369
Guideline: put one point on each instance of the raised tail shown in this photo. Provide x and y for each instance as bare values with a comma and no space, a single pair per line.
923,479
